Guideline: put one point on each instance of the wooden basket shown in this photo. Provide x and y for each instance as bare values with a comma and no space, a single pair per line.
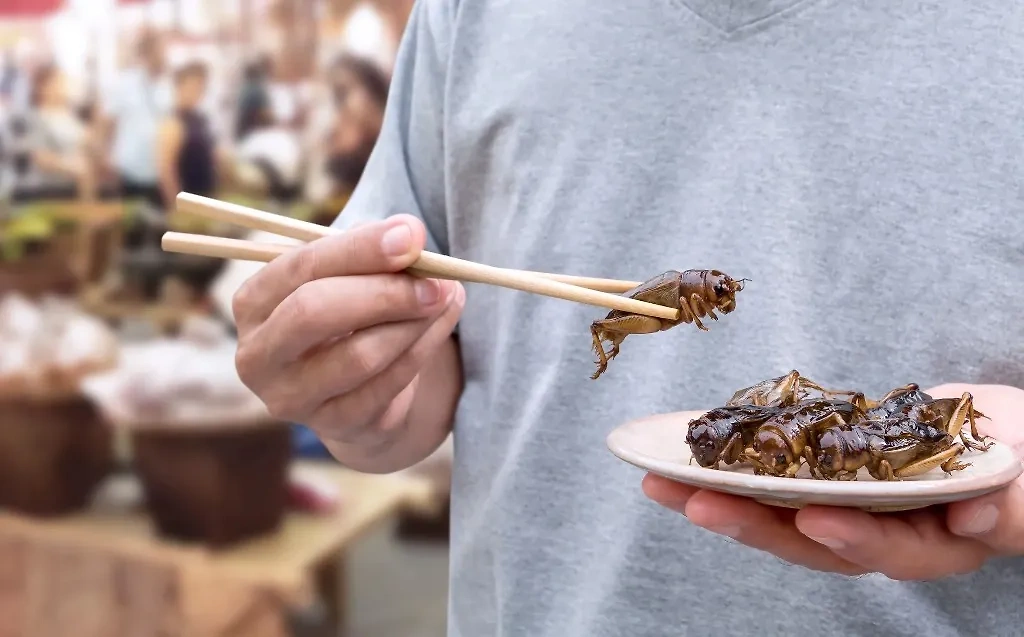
54,452
217,485
37,275
82,247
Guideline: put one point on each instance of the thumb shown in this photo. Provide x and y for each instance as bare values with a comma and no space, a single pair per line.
997,519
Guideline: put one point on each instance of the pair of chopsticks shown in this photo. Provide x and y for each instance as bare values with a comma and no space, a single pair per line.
587,290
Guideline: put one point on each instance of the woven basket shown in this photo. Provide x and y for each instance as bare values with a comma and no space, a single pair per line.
54,452
214,485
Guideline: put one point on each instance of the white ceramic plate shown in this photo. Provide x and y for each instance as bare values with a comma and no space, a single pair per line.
658,444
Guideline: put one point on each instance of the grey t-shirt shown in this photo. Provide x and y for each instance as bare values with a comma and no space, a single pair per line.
860,161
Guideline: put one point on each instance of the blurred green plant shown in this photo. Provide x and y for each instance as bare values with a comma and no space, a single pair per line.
26,227
29,226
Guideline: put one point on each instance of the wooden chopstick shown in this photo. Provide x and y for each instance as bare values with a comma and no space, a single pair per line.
224,248
227,212
428,265
242,250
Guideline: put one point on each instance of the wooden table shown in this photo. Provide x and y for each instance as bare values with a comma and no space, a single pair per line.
104,573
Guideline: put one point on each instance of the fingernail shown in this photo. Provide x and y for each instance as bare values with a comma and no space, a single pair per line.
396,241
427,291
831,542
728,531
983,521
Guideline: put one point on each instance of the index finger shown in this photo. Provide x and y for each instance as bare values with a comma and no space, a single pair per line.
385,246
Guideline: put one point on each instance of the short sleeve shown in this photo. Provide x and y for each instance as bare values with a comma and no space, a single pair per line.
405,172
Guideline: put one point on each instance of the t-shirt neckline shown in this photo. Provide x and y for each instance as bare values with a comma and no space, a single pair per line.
732,15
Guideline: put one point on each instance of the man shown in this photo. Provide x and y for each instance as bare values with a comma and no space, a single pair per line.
138,103
859,161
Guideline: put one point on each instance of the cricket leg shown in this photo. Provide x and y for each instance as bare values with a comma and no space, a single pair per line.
693,305
733,449
812,463
972,418
964,414
953,464
616,330
855,397
697,302
602,358
883,471
926,465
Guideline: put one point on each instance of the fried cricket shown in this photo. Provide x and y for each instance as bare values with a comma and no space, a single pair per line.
778,425
696,293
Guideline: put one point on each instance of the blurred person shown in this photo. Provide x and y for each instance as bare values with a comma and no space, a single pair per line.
274,150
367,28
289,94
141,98
359,90
187,151
860,160
351,29
61,160
253,97
28,57
323,109
358,27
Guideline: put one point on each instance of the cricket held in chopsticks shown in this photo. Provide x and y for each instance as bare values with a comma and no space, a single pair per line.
655,305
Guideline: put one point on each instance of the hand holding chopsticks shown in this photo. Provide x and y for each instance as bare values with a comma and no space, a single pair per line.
579,289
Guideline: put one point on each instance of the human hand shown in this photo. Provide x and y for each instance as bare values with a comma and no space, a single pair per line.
333,335
915,545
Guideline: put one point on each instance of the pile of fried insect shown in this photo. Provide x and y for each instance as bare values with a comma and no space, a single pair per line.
780,424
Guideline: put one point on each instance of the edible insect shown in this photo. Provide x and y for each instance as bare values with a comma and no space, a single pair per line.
891,449
859,399
896,400
791,435
722,434
783,422
696,293
784,391
950,414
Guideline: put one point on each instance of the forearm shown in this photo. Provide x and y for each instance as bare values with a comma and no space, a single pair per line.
427,426
49,162
169,187
168,146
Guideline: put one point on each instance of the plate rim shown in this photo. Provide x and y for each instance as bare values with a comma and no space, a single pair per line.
847,490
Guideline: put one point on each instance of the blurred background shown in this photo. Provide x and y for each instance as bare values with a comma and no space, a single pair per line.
143,489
